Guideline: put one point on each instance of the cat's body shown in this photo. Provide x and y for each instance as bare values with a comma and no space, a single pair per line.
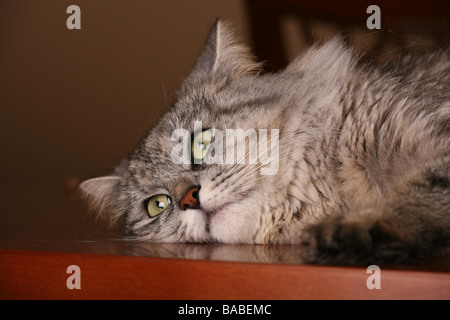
363,168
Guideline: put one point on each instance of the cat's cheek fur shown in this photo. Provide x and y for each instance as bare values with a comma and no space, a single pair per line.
233,224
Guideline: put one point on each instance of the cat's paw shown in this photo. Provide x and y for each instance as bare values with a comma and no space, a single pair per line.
340,240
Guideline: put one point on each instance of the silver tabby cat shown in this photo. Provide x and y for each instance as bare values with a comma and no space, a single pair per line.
363,158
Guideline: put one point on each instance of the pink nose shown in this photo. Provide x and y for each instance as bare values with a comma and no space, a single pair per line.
190,199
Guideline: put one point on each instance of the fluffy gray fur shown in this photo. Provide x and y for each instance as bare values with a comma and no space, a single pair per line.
363,163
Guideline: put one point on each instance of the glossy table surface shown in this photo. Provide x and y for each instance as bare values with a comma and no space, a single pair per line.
114,269
260,254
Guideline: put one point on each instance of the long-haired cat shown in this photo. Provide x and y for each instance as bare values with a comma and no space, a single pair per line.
359,157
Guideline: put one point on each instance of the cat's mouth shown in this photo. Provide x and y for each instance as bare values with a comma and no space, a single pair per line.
211,217
210,214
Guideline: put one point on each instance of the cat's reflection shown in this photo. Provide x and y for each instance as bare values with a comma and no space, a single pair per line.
241,253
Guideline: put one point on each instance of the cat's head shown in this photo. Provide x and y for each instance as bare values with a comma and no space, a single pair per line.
192,179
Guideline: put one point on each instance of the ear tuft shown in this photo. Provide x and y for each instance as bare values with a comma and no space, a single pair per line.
330,60
232,59
100,194
223,60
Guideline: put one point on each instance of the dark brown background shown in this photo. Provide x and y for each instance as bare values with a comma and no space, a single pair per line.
74,102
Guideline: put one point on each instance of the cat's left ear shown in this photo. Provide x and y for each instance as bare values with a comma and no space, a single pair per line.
222,60
102,196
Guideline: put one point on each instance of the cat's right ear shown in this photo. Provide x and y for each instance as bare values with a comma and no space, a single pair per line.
100,193
222,60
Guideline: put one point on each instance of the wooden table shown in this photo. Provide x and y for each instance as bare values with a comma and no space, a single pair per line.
114,269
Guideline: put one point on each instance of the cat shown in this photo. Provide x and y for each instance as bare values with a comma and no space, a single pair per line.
363,158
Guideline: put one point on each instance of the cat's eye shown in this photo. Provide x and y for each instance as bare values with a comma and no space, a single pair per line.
157,204
201,144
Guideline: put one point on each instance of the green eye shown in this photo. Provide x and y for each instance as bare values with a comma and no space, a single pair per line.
201,144
157,204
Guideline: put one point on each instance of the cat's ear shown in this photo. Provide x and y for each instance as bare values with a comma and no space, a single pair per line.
330,60
100,194
222,60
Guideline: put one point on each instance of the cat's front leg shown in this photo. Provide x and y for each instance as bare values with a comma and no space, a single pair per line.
351,239
355,239
410,226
